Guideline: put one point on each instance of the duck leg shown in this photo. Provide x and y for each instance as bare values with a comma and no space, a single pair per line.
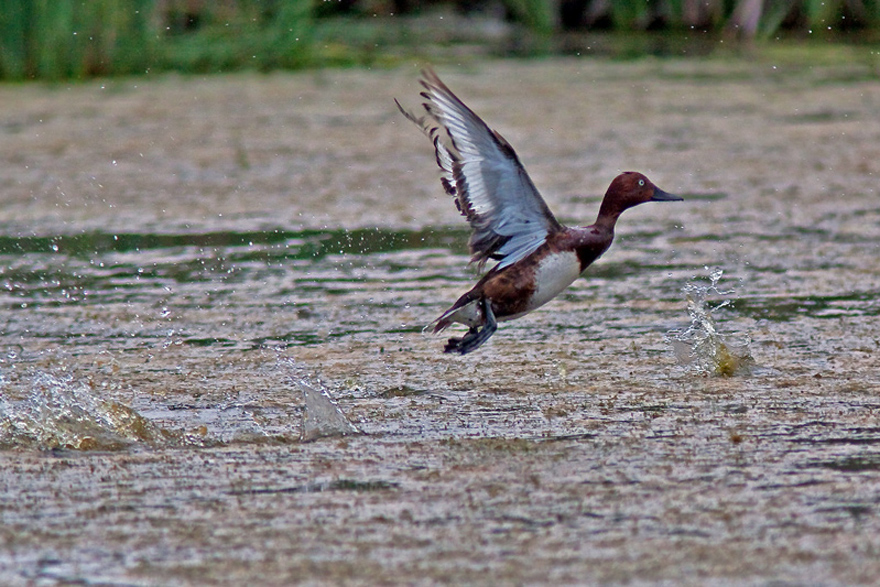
475,336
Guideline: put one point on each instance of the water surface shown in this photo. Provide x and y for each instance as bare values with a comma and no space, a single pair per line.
177,254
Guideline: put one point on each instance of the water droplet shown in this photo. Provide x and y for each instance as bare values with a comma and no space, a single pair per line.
701,346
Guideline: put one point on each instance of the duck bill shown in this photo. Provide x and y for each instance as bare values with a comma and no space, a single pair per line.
661,196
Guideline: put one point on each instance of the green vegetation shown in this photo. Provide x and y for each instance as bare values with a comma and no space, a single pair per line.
57,39
64,39
70,38
259,34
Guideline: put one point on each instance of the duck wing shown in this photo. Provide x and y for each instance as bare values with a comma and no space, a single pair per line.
508,216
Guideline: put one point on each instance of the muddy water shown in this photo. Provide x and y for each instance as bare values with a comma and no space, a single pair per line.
178,253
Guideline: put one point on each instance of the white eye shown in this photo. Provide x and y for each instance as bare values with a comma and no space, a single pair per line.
641,182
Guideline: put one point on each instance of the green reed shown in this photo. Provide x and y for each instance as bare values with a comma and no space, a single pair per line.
256,34
537,15
71,39
749,18
63,39
57,39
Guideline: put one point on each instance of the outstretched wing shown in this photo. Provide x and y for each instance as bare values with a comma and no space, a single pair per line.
481,170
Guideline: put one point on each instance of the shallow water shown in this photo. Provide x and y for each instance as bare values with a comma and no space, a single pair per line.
181,253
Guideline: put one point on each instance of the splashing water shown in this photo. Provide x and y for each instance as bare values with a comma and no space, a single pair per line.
63,413
321,416
701,346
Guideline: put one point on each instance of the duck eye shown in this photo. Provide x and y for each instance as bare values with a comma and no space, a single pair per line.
641,182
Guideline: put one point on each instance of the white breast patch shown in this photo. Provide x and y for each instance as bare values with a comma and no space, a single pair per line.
555,273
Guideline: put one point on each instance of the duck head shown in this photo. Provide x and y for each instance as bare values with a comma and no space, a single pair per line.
631,189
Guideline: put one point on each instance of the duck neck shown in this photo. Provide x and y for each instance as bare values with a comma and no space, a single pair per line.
607,217
589,242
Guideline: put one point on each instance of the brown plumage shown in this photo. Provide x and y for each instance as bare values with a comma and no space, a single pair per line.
537,256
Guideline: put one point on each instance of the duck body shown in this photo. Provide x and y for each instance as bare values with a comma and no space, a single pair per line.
537,256
531,282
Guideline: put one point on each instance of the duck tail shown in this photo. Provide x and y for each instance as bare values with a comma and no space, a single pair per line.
463,311
440,324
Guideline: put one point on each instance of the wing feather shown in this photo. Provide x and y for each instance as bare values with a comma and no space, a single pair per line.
508,216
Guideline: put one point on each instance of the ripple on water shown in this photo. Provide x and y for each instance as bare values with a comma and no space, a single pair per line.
124,289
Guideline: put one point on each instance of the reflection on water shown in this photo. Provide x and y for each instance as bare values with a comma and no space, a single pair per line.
177,299
119,290
215,300
305,244
192,296
701,346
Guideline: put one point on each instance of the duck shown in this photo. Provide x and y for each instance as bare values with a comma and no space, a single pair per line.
536,257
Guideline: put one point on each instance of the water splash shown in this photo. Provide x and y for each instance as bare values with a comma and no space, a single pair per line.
701,346
321,416
62,413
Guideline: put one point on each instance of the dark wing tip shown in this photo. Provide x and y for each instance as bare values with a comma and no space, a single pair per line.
409,115
430,76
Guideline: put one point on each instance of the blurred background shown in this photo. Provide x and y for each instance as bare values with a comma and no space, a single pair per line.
71,39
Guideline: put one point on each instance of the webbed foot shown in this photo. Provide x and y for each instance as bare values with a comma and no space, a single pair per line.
475,337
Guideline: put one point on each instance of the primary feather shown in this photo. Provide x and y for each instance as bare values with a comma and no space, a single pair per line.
508,216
